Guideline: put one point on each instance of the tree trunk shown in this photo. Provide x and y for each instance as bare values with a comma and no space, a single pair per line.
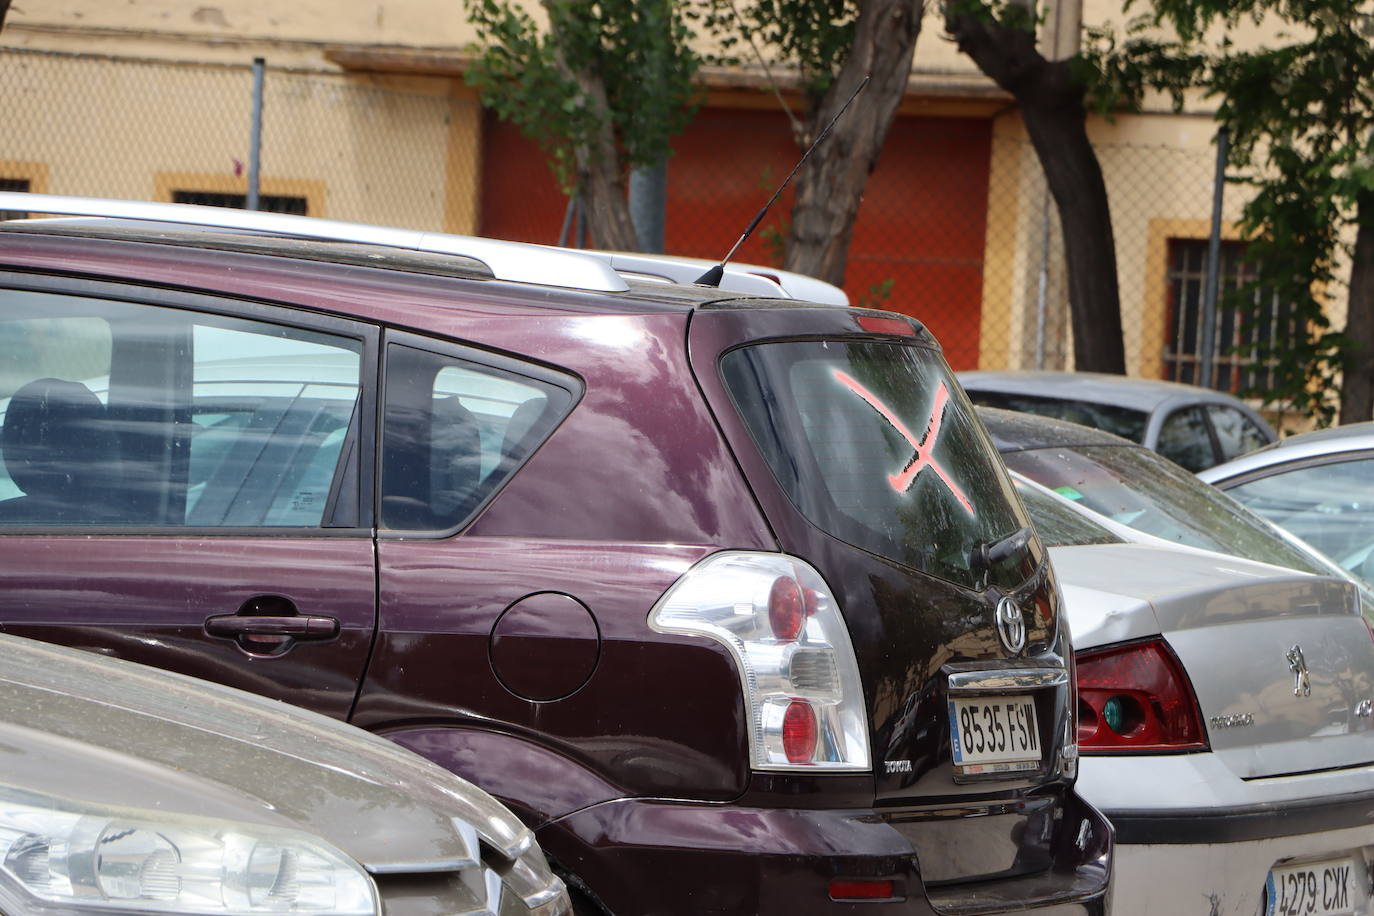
600,177
831,183
1051,104
1357,356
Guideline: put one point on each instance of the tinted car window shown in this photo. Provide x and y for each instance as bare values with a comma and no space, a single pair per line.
1120,421
127,414
1184,440
1323,504
876,444
1236,433
1137,487
1057,524
454,430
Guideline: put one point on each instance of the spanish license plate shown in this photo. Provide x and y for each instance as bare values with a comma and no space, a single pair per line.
994,734
1316,889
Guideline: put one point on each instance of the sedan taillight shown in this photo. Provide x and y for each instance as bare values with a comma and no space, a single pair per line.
1136,697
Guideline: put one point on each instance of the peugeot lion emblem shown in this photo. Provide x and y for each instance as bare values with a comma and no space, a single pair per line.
1011,627
1302,684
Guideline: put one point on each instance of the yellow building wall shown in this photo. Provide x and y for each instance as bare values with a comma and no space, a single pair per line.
400,151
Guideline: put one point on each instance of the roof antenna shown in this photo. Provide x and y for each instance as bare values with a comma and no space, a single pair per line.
713,276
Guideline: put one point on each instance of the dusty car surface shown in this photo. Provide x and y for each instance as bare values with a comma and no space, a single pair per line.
1132,486
1319,486
1224,719
1192,426
727,595
126,789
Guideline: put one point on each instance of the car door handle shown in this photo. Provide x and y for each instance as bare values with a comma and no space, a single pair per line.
298,627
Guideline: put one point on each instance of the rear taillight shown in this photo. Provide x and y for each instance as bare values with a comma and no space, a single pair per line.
796,664
1136,697
786,608
799,732
861,889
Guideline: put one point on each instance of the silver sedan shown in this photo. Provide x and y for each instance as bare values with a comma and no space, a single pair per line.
1319,486
1224,720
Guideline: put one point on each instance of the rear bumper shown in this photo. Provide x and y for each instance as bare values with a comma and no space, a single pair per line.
1215,836
653,857
1219,877
1245,823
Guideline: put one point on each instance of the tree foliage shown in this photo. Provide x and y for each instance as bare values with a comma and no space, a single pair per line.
602,89
812,37
1300,114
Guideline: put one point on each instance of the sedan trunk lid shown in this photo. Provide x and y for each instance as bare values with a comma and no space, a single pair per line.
1282,662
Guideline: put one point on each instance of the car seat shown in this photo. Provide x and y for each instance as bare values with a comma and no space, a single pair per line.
59,449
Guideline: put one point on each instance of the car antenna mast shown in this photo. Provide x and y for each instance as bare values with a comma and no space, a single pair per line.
713,276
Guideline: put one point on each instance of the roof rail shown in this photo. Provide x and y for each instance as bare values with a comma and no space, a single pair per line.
506,260
740,278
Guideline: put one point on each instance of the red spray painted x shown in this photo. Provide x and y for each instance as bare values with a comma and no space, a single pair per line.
924,449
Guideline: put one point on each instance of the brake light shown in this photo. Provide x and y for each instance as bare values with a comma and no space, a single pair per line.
861,889
876,324
1136,697
799,732
786,608
796,665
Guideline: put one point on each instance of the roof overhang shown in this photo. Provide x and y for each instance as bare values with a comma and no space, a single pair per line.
932,93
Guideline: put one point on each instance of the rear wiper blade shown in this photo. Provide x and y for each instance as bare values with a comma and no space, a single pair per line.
987,554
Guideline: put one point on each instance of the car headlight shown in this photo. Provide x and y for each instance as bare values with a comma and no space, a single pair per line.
59,856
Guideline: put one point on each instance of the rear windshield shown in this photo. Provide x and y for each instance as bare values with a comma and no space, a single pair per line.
1136,487
1120,421
876,444
1059,524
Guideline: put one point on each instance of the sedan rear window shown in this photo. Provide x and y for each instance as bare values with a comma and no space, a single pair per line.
1136,487
1059,524
876,444
1120,421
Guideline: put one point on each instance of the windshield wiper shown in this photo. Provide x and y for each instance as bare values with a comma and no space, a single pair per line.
987,554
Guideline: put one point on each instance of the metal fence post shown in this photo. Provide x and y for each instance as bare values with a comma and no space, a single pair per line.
648,203
1212,281
1042,287
255,139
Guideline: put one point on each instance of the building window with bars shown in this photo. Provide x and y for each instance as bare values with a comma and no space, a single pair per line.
268,203
1233,369
13,184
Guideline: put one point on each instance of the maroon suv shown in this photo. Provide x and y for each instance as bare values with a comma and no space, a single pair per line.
728,596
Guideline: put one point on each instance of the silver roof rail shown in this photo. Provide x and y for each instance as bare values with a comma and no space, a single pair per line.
739,278
506,260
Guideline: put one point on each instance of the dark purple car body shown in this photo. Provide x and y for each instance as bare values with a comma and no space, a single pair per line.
511,627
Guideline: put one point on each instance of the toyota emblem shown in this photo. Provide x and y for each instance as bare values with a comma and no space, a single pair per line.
1011,626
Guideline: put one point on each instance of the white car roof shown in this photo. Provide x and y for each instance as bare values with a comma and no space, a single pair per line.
1352,438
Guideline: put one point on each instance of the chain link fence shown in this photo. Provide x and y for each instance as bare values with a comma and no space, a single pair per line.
956,228
157,130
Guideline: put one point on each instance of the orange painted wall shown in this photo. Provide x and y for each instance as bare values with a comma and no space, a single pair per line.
922,222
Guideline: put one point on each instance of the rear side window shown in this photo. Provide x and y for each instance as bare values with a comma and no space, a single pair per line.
455,429
126,414
876,444
1184,440
1236,432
